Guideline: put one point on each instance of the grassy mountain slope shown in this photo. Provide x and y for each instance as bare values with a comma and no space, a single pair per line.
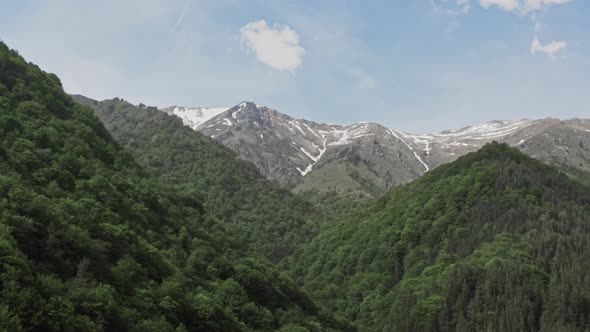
89,242
273,219
495,241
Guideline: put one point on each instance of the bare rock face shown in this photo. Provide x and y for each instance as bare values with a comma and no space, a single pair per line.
365,159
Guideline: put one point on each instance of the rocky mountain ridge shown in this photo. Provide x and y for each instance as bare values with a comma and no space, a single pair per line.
368,158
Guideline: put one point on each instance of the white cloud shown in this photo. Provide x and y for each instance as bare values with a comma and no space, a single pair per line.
532,5
508,5
463,7
277,47
529,8
523,6
549,49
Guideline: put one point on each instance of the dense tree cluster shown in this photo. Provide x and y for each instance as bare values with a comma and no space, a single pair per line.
495,241
89,241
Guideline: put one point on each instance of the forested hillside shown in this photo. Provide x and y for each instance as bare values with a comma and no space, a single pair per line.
275,221
89,242
495,241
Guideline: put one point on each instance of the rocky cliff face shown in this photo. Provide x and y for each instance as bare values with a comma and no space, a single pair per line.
365,159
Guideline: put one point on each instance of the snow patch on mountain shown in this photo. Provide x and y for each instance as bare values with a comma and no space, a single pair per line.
485,131
347,135
295,123
314,159
194,116
412,149
494,129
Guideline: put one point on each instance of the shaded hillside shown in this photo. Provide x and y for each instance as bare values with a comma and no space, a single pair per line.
495,241
89,242
272,218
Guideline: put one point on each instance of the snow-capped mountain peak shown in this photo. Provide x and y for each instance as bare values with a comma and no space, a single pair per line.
361,157
194,116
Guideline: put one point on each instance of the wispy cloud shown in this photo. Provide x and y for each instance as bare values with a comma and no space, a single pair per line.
276,47
522,6
550,49
528,8
451,7
182,16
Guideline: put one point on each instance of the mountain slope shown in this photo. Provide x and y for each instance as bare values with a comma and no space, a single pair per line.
356,160
562,143
272,219
89,242
366,159
493,241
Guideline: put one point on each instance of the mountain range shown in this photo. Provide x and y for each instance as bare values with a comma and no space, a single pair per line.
367,159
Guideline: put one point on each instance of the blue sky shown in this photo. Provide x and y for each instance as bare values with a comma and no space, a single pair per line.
414,65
